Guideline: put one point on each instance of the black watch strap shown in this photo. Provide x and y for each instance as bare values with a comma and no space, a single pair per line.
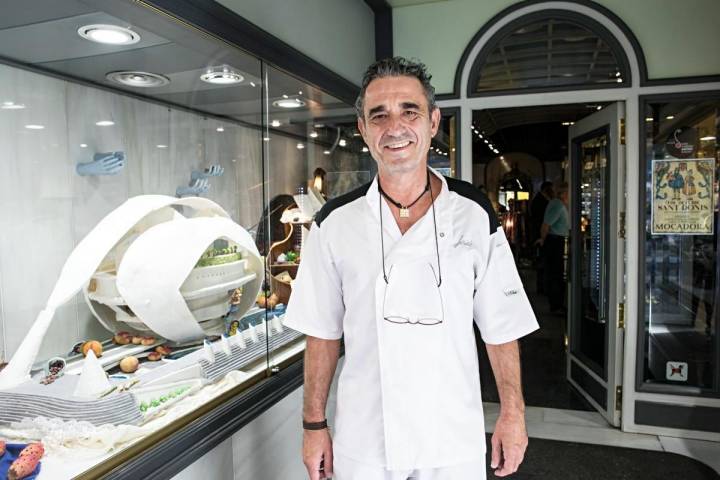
315,425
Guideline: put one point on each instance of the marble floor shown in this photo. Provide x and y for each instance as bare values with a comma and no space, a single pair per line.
591,428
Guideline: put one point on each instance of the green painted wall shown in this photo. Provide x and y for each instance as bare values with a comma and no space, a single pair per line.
339,34
679,38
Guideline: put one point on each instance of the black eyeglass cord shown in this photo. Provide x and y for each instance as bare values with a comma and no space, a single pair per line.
382,231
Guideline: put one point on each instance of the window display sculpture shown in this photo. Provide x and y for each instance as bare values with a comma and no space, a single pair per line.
110,163
147,266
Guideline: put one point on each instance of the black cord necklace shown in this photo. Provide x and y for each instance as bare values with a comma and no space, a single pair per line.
382,231
404,209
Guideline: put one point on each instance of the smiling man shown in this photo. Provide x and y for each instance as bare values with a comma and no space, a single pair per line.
401,268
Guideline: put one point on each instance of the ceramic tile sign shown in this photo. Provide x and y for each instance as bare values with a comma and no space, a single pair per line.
676,371
682,200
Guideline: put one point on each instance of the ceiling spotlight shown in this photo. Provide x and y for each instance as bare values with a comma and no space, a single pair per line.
649,119
486,142
252,84
275,123
480,135
83,145
496,151
289,102
599,107
105,123
313,134
300,146
356,134
619,80
502,157
34,127
617,74
326,152
161,146
365,150
343,142
709,138
222,75
12,106
219,129
669,117
109,34
452,149
138,79
266,139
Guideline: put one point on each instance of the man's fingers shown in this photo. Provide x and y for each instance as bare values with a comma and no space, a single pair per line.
328,457
313,468
496,452
512,458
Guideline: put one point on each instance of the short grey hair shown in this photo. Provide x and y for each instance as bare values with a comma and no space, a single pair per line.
396,67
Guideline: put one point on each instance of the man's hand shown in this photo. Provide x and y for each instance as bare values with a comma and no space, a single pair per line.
317,451
508,443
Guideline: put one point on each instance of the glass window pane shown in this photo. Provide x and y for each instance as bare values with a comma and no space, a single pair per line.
681,243
550,52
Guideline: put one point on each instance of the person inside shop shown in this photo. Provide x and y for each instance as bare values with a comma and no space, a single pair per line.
537,215
401,268
553,235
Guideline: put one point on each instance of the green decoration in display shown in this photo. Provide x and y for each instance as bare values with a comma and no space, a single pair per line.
219,256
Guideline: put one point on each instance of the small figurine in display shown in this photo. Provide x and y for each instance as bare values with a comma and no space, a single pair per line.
212,171
194,189
109,163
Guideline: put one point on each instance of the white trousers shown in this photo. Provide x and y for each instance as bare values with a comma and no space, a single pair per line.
348,469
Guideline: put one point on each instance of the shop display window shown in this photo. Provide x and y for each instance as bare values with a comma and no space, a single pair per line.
680,349
157,185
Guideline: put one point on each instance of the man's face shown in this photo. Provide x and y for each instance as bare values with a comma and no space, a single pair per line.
397,125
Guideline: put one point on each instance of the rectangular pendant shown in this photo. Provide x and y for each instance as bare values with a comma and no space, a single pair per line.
404,213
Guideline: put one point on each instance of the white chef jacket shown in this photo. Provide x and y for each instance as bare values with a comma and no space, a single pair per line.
409,392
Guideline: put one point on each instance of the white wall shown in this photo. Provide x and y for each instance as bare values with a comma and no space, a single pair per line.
339,34
678,38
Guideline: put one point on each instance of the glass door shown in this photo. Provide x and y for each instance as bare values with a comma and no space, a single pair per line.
595,270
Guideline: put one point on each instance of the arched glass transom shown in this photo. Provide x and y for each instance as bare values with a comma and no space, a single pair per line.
550,50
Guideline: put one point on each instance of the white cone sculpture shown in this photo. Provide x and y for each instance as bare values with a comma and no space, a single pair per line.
93,380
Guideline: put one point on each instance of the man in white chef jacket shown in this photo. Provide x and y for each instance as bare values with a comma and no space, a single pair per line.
401,268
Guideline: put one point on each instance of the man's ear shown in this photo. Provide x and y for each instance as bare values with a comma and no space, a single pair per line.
361,126
435,121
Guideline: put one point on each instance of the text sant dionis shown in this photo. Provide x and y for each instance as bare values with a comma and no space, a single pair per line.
682,196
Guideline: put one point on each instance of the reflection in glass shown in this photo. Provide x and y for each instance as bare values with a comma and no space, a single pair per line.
592,247
681,287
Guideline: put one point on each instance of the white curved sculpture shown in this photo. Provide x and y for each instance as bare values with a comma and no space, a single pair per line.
137,268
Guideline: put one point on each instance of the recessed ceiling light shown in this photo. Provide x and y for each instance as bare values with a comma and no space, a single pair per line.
502,158
12,106
285,96
300,92
161,146
356,134
83,145
109,34
452,149
619,80
649,119
220,129
300,146
252,84
34,127
313,134
709,138
222,75
326,152
138,79
365,150
480,135
343,142
669,117
617,74
275,123
599,107
266,139
319,125
289,103
105,123
486,142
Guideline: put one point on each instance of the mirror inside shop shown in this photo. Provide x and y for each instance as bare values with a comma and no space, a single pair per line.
157,187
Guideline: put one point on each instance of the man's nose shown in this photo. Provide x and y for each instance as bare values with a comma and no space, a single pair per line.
396,127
